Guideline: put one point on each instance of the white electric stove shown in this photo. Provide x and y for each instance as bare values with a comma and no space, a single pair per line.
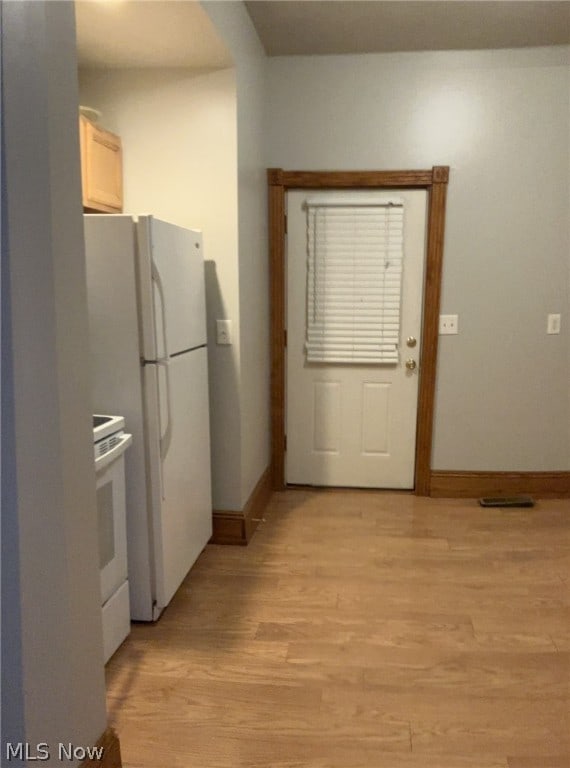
110,443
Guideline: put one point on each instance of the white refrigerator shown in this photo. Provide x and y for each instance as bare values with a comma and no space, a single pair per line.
147,319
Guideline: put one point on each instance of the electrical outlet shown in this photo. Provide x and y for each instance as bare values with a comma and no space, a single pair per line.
448,324
553,324
223,331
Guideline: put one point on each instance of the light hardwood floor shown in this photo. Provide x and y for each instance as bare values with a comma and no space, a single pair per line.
360,630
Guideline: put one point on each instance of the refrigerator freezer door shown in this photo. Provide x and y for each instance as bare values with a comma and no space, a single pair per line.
171,269
179,467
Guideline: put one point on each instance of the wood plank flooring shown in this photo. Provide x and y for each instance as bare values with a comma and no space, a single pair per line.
360,630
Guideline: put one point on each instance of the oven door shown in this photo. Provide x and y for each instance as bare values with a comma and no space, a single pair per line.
111,513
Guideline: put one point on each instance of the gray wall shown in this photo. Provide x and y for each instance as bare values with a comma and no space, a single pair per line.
500,119
53,641
235,27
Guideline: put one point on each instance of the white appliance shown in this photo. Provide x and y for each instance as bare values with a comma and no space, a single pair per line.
147,316
111,442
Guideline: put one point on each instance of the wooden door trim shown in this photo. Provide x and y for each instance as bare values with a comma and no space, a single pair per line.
435,182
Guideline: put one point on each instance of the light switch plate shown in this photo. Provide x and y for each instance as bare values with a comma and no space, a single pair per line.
553,324
448,324
223,332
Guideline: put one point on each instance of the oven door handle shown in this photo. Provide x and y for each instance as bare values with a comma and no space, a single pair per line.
103,461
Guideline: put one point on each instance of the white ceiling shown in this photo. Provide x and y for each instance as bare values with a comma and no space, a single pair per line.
147,33
179,33
292,27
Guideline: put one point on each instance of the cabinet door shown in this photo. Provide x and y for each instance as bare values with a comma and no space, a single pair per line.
101,168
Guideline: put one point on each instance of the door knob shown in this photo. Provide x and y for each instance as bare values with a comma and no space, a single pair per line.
411,365
411,341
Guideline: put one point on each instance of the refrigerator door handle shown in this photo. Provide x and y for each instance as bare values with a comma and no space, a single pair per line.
166,436
155,275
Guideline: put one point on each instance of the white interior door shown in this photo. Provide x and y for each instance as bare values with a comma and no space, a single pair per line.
353,424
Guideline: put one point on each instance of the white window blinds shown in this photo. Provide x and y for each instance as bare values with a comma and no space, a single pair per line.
354,280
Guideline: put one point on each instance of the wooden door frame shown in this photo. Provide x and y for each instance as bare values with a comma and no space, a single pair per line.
435,182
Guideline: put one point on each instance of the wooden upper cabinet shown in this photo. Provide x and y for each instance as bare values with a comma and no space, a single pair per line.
101,168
